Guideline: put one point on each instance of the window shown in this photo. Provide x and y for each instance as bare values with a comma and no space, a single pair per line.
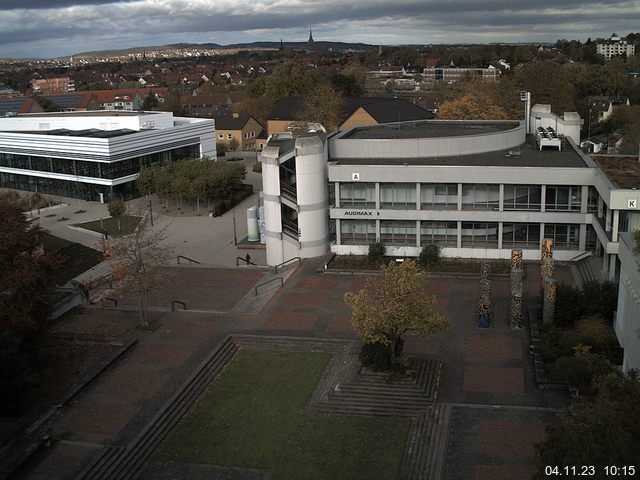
523,235
398,232
563,198
221,136
357,194
229,136
480,196
522,197
444,234
592,200
357,232
439,196
480,235
398,195
565,237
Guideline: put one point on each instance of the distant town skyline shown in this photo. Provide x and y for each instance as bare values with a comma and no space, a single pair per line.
55,28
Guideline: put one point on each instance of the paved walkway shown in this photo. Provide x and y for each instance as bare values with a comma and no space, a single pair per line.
497,413
206,239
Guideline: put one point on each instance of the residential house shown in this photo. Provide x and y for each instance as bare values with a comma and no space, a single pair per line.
52,85
122,99
357,112
14,106
72,102
615,46
240,128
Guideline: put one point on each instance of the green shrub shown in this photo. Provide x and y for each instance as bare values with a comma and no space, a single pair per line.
429,256
377,251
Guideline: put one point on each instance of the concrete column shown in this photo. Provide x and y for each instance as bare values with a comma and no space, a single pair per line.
605,259
501,206
582,237
337,194
459,205
417,233
600,204
543,199
614,225
338,236
418,200
541,236
500,227
378,199
612,267
584,199
459,234
377,230
607,223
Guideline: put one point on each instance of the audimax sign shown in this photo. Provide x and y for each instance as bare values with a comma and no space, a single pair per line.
360,213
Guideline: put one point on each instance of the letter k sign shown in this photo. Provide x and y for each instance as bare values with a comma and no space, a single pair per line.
632,204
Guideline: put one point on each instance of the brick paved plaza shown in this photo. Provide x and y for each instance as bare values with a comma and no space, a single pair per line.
497,413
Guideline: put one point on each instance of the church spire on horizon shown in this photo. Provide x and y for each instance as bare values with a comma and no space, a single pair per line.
310,37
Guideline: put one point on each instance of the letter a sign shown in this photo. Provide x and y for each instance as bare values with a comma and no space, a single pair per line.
355,177
632,203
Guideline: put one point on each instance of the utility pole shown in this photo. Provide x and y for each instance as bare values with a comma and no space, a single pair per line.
235,236
150,212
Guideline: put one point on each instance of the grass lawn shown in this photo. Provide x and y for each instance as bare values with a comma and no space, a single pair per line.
128,224
253,416
76,258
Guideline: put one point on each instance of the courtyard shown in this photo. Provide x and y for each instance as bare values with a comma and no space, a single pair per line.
486,410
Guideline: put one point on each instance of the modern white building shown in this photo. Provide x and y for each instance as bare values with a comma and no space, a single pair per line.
615,46
475,188
95,154
627,319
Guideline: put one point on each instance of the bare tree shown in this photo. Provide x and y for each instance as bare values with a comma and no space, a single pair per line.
136,261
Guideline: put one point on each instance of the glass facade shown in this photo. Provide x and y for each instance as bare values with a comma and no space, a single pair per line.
521,235
563,198
479,235
444,234
522,197
439,196
357,194
399,196
565,237
398,232
480,196
82,168
357,232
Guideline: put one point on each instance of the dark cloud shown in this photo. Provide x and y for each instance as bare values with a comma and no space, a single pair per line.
135,23
42,4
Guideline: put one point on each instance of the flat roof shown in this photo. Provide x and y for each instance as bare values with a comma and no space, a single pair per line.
526,155
428,129
90,113
624,172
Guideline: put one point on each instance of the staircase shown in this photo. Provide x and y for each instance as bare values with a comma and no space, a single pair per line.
123,463
588,270
427,443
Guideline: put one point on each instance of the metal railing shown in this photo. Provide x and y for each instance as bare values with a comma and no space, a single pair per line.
255,289
247,262
174,302
286,263
579,257
191,260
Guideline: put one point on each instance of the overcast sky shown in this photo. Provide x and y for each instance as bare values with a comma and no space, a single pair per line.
51,28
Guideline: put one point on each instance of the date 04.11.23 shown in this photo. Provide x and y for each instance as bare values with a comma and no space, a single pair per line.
628,471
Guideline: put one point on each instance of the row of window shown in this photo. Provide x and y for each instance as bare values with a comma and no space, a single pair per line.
247,135
83,168
445,234
445,196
